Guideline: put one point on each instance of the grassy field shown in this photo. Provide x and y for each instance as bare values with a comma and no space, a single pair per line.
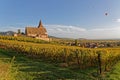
114,74
15,66
19,67
5,71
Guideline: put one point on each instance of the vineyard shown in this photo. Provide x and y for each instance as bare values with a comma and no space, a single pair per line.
101,58
22,39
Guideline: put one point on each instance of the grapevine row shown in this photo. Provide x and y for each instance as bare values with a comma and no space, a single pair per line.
82,57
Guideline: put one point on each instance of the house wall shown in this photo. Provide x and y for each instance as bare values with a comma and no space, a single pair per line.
43,36
32,35
46,39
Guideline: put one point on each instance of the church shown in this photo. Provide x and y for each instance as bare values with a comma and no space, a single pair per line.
39,32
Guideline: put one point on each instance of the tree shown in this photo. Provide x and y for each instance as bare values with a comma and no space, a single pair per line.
76,42
19,32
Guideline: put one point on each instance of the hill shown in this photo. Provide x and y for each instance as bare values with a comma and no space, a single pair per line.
10,33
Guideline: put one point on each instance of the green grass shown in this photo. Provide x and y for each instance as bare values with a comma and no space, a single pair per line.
114,74
5,71
20,67
35,69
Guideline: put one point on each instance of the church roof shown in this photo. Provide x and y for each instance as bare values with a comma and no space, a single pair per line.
32,30
39,30
40,24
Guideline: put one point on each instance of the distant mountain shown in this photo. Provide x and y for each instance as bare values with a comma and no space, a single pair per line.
82,39
52,37
60,37
10,33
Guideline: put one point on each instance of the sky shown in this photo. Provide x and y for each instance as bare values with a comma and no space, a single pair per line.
64,18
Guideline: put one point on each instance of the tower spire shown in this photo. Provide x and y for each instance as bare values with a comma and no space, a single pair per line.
40,24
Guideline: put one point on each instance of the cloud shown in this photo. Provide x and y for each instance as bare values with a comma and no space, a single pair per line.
65,28
104,33
69,31
118,20
79,32
65,31
11,28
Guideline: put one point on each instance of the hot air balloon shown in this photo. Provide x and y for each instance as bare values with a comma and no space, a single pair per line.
106,14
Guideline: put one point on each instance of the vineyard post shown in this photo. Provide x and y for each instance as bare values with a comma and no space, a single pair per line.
99,63
77,56
65,55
